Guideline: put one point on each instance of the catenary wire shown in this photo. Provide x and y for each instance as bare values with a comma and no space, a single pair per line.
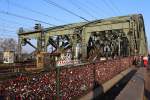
62,8
35,11
24,17
81,8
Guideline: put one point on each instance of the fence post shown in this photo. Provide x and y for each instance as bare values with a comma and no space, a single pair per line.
58,82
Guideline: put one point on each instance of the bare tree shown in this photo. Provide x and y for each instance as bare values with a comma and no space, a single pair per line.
8,44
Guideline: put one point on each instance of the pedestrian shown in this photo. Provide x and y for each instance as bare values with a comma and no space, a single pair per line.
148,59
141,62
148,62
145,59
135,61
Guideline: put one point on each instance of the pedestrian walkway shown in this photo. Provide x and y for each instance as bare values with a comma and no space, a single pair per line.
147,84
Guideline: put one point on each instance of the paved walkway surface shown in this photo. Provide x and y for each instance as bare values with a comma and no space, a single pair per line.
147,84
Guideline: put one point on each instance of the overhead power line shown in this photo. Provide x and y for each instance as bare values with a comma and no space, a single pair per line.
81,8
8,26
110,7
35,11
7,30
9,34
97,7
27,18
12,22
113,4
62,8
4,24
87,6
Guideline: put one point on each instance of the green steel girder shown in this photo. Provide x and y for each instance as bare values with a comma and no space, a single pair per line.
132,25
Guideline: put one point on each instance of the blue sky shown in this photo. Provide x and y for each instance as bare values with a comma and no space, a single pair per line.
90,9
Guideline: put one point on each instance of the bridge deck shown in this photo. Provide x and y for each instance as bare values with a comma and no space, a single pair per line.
138,87
147,84
134,90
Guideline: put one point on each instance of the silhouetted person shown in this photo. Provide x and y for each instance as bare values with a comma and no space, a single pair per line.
148,59
141,61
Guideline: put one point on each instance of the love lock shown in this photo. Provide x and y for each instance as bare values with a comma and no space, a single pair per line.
83,87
